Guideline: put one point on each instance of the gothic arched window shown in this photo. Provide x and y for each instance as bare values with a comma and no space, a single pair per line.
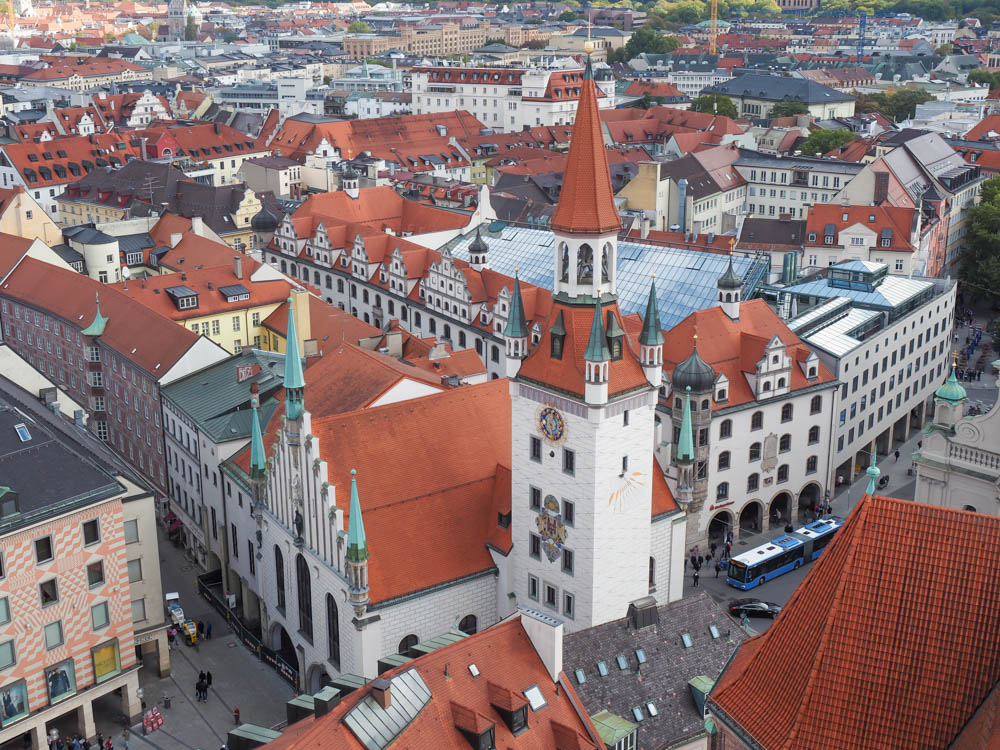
332,631
585,264
564,262
606,264
304,586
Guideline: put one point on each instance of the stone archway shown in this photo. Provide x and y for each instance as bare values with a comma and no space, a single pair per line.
809,499
214,563
284,645
316,678
719,527
780,513
751,518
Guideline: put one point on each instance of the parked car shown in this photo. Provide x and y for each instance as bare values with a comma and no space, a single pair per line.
753,608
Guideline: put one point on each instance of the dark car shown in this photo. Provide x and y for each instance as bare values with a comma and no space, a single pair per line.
753,608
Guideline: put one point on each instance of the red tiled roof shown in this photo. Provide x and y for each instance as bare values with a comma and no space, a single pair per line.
140,335
733,347
874,218
506,661
587,203
989,124
42,164
892,639
328,324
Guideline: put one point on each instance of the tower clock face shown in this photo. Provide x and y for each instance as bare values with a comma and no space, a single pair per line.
551,424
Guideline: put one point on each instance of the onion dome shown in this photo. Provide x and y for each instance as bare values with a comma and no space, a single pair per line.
694,372
264,221
952,391
478,244
350,173
730,279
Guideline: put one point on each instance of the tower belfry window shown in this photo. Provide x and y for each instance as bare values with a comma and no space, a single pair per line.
564,262
585,264
605,261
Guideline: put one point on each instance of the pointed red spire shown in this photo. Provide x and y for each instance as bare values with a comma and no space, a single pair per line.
587,202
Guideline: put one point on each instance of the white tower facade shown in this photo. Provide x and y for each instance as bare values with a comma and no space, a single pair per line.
177,19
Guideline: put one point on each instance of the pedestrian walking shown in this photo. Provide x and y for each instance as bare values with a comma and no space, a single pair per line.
236,715
100,740
714,546
208,635
201,676
125,739
201,628
718,567
197,691
896,454
208,678
694,578
109,744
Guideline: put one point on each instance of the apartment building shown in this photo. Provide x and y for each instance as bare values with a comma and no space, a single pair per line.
779,185
429,40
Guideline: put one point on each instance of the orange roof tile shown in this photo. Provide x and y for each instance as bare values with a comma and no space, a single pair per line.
876,218
890,641
506,661
587,202
328,324
66,159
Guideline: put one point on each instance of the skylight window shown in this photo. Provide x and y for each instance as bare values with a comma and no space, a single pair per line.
22,432
637,713
474,670
687,640
535,697
581,677
622,662
651,707
640,654
714,631
602,668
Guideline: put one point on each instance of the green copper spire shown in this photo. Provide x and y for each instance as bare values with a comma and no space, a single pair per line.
357,543
295,382
685,444
517,327
597,347
730,279
872,472
258,459
952,391
652,334
96,328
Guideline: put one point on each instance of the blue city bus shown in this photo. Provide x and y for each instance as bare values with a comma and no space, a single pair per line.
783,554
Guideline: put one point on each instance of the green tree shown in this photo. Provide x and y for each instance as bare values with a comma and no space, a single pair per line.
190,28
786,109
822,141
945,49
980,261
899,104
359,27
567,16
718,104
646,40
981,76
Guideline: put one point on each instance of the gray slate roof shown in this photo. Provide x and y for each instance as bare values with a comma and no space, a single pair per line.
779,88
665,674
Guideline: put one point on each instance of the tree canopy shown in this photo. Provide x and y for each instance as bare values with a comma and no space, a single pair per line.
718,104
900,104
359,27
567,15
786,109
980,261
982,75
821,141
190,28
645,39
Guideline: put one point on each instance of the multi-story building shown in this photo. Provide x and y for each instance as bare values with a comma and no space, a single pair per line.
689,73
430,40
275,174
112,354
505,98
754,94
880,234
81,599
779,185
221,148
748,438
706,192
887,340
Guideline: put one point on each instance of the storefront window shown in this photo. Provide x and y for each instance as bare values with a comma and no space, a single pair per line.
61,680
106,661
14,699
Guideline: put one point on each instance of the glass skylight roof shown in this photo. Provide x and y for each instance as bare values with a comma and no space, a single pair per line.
685,279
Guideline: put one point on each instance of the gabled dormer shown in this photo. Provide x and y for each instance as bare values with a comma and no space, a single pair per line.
501,309
721,394
810,368
476,728
773,371
512,707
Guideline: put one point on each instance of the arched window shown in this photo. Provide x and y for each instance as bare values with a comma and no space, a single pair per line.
813,434
783,473
407,643
753,482
812,372
704,404
332,631
757,420
970,508
468,625
304,586
755,452
723,460
279,577
726,428
677,403
564,262
785,443
816,405
606,263
786,413
767,386
722,491
781,382
722,395
811,465
585,264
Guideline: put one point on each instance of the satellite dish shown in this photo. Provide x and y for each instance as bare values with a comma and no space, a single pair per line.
126,272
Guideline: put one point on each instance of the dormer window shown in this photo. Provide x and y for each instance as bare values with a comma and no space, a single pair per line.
615,336
557,337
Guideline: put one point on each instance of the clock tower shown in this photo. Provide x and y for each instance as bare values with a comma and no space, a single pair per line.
583,402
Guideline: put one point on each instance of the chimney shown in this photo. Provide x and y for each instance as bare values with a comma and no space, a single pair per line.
325,700
175,238
546,635
644,226
238,266
881,192
198,226
438,351
381,692
142,148
300,304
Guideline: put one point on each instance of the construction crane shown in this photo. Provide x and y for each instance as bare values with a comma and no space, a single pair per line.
713,29
862,33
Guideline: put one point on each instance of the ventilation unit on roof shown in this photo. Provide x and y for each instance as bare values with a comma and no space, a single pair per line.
643,613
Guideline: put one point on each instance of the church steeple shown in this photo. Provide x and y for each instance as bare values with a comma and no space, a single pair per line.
730,286
295,381
357,553
872,472
651,340
258,458
598,359
515,333
685,453
586,221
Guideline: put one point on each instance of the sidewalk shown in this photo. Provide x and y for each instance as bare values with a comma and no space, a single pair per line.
238,678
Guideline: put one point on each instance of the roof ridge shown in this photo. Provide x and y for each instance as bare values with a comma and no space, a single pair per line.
857,519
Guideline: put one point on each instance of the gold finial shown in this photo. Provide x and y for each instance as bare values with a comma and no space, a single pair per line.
732,244
653,275
588,47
